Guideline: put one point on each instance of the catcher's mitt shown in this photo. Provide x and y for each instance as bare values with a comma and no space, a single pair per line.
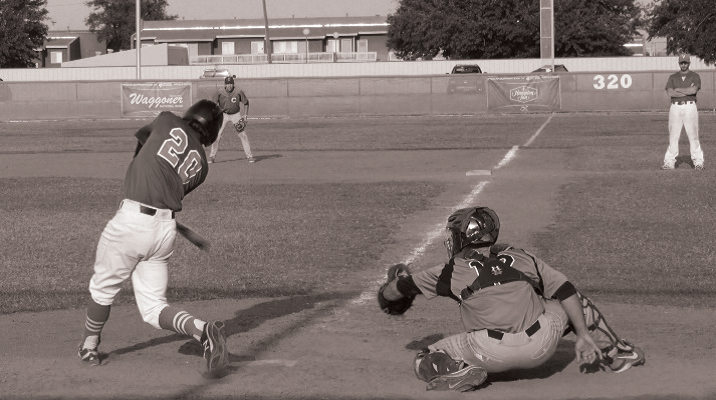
241,125
395,307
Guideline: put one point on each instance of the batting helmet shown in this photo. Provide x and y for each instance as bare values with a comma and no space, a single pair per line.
473,226
207,117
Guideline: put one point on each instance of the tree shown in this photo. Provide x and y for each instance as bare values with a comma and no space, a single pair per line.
688,26
114,21
485,29
22,32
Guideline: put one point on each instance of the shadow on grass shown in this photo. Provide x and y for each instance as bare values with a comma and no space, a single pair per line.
247,319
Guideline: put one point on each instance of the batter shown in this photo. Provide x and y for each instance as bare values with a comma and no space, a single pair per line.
169,163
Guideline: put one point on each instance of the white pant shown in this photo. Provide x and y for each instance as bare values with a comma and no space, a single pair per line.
513,351
233,118
139,245
684,116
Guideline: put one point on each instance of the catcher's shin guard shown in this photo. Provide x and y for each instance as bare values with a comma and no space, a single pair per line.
603,335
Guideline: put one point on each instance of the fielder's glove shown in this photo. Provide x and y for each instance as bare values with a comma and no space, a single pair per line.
395,307
241,125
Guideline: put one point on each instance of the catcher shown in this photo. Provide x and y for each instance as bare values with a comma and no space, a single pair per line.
169,162
231,99
514,307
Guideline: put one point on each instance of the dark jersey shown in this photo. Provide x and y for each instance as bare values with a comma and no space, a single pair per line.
509,307
170,164
230,102
681,80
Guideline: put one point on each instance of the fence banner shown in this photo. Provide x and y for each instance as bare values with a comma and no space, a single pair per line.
150,98
524,93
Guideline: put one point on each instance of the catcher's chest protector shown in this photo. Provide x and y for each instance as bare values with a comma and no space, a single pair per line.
493,271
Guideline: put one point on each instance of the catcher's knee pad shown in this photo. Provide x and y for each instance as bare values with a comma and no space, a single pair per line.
428,365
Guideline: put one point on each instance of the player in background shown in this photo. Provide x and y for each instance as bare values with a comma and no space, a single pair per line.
169,163
514,307
682,87
230,99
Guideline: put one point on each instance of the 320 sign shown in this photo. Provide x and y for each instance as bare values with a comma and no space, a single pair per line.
612,82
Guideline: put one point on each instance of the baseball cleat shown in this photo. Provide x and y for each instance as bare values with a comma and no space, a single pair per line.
89,356
624,360
214,340
699,167
667,166
464,380
251,159
211,160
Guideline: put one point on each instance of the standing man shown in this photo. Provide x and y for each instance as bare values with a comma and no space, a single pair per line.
515,308
682,87
230,100
169,162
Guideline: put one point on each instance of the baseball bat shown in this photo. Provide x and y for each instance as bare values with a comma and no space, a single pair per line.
193,237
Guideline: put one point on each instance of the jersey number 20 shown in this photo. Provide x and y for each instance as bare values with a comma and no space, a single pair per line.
173,149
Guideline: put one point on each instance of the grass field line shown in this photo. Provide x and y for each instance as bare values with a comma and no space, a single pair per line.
438,231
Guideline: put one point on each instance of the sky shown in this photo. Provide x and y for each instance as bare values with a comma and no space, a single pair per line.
70,14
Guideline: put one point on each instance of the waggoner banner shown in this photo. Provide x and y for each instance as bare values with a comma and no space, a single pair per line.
149,99
523,93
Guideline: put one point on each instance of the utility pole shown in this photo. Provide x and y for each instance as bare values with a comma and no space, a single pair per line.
138,45
267,39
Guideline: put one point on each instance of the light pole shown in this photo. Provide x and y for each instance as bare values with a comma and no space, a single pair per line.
306,32
138,46
335,46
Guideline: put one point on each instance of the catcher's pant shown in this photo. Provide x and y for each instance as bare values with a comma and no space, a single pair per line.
684,116
140,245
513,351
233,118
522,351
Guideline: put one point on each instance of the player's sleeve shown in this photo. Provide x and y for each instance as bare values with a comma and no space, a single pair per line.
669,84
551,279
142,136
427,280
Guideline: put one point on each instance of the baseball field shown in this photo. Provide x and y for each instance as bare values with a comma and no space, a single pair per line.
302,239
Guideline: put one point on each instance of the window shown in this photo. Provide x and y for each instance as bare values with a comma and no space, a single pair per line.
227,48
362,46
346,45
56,57
332,46
257,47
285,47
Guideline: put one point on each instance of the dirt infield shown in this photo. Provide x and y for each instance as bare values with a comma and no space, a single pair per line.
337,344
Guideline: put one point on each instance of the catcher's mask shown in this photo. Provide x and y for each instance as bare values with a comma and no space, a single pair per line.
473,226
209,117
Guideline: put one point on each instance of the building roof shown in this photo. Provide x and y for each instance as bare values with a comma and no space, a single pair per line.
279,29
58,42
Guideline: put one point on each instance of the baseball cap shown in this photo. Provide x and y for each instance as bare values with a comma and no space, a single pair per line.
684,58
229,80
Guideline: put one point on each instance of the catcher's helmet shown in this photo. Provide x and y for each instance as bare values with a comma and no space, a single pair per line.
473,226
209,117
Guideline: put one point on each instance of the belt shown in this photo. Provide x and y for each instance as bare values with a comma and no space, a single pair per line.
529,331
150,211
146,210
681,103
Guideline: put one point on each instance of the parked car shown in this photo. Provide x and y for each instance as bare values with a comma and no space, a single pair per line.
215,73
465,79
548,68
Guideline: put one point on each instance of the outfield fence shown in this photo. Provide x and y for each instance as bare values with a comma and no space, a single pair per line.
358,96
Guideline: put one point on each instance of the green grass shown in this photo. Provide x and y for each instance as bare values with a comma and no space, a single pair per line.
625,231
268,240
